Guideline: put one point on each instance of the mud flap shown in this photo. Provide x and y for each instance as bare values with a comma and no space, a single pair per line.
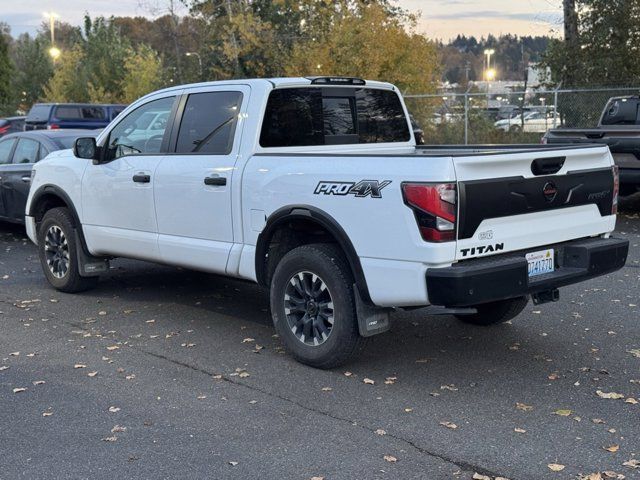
371,320
88,265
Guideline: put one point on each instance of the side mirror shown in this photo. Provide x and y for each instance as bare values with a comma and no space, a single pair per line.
85,147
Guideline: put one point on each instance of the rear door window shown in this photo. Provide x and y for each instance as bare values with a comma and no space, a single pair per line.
93,113
209,122
333,116
5,150
26,151
68,112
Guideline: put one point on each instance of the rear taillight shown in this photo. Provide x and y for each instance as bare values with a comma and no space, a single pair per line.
53,126
616,190
434,206
4,129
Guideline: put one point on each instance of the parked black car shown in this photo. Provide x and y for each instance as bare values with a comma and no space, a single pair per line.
11,124
53,116
18,153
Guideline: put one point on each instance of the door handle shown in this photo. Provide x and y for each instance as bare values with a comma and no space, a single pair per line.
26,179
141,178
217,181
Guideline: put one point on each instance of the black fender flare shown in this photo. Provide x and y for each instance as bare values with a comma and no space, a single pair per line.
308,212
58,192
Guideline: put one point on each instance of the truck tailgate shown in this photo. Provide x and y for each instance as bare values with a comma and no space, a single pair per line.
528,199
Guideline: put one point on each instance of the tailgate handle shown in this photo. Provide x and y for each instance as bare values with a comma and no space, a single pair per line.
547,166
594,135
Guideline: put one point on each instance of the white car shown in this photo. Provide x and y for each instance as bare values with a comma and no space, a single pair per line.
314,188
534,122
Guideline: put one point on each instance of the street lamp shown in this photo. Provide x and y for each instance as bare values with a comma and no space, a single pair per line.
197,55
54,52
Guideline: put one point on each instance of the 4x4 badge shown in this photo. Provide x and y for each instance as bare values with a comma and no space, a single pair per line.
363,188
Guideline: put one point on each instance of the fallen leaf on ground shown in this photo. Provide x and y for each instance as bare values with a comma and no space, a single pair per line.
79,365
47,414
635,352
248,340
381,432
408,410
317,478
3,367
450,425
114,409
368,381
118,428
326,389
243,374
14,354
555,467
633,463
479,476
150,321
92,374
519,430
562,413
390,458
233,464
612,448
201,397
38,382
348,374
390,380
523,407
631,400
611,395
451,388
110,439
19,389
113,347
597,420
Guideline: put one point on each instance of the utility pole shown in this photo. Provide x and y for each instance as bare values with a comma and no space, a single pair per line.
571,41
234,41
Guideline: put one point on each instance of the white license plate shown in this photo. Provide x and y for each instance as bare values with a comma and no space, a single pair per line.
540,262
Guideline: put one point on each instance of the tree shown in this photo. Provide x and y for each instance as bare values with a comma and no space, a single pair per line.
143,74
69,82
7,104
604,49
372,43
33,69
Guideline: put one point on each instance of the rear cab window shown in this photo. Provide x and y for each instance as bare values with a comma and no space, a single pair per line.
622,111
39,113
80,112
309,116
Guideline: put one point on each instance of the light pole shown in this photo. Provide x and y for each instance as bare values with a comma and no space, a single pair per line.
54,52
197,55
489,72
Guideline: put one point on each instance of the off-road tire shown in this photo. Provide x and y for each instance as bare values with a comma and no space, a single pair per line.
67,279
326,262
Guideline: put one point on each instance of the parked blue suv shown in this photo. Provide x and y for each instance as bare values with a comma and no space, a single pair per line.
53,116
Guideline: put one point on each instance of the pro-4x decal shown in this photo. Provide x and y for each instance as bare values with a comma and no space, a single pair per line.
363,188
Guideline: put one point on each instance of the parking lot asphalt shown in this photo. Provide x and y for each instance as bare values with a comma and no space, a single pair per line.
167,373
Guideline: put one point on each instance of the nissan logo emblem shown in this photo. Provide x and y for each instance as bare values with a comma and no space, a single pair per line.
550,191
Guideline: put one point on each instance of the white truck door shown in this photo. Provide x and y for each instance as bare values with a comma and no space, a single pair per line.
118,209
193,185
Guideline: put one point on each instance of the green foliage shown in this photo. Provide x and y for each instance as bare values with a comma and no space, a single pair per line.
33,69
607,47
143,74
69,82
7,104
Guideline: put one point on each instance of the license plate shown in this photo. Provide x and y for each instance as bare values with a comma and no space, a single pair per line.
540,262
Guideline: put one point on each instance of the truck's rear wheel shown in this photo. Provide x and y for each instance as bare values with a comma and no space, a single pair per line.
313,305
58,253
495,312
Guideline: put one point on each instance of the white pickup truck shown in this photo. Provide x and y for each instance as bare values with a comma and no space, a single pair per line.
315,189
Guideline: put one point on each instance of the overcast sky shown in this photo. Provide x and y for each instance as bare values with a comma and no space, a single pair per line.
441,19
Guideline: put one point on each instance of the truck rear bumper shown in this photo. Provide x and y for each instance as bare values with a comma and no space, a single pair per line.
506,276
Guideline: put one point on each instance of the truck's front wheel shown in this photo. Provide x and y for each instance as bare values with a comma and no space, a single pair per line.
495,312
313,305
57,248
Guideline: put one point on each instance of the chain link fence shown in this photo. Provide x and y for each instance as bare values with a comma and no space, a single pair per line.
509,116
